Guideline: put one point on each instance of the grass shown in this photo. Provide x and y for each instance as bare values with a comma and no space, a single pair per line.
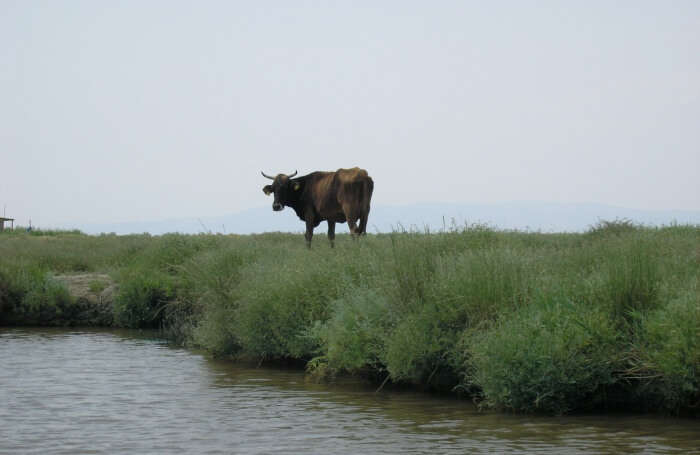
519,321
97,286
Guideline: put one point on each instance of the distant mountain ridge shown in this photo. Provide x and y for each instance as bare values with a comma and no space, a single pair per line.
532,216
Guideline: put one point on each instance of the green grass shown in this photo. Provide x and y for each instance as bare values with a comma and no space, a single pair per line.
519,321
97,286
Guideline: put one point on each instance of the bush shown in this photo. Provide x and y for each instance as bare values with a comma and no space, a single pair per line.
141,301
281,297
614,227
45,303
211,283
418,347
461,289
667,363
554,356
11,294
352,340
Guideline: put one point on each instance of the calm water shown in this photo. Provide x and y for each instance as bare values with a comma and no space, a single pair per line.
114,392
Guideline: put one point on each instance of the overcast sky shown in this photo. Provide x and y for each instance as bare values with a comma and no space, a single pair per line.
139,110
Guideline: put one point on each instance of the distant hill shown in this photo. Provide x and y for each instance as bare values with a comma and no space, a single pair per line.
533,216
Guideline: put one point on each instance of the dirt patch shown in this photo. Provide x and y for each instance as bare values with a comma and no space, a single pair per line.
94,288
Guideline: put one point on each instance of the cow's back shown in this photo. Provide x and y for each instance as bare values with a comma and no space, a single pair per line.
352,175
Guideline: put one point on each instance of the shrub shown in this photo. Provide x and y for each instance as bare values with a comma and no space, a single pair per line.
417,349
45,303
211,283
281,298
352,339
463,289
667,361
554,356
141,301
614,227
10,295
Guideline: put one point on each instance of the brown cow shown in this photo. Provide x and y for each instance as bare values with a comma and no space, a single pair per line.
335,197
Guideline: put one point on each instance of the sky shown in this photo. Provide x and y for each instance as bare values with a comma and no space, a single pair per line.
143,110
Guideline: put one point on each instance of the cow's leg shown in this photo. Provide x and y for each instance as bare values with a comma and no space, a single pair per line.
331,232
351,217
354,230
309,232
363,222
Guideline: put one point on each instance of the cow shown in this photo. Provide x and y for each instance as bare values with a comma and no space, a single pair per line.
336,197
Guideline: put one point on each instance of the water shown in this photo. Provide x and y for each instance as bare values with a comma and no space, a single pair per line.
68,392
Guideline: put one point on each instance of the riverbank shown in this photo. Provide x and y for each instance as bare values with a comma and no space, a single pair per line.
529,322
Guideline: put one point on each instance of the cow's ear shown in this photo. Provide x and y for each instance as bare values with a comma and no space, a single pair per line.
267,189
296,186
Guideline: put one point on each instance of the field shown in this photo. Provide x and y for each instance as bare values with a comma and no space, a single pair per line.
518,321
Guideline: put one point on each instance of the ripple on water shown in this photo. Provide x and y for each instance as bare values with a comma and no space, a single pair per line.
116,392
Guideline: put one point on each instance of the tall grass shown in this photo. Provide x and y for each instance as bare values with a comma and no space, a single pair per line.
519,321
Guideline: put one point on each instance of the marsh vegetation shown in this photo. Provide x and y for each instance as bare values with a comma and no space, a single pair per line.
521,321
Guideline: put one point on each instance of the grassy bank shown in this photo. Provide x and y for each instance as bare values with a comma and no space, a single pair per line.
531,322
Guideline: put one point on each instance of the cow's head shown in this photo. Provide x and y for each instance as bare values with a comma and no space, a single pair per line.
283,188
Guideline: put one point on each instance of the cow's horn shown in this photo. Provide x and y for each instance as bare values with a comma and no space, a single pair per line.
265,175
292,175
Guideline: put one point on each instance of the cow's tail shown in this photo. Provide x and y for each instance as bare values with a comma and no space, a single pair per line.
365,198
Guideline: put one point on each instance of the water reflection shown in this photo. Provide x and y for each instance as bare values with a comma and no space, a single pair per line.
108,392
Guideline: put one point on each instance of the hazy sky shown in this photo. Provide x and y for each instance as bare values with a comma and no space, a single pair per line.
131,110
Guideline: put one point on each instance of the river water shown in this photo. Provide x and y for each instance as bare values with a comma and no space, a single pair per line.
94,392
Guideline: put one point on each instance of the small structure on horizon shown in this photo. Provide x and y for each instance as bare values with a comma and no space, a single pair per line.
2,223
